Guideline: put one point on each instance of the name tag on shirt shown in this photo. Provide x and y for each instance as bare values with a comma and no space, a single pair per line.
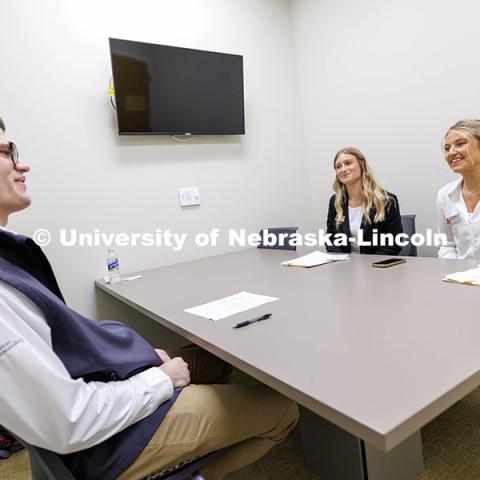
452,219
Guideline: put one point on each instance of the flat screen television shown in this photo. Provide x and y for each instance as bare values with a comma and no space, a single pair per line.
163,90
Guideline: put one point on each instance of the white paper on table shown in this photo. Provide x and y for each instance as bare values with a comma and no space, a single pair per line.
471,277
315,258
227,306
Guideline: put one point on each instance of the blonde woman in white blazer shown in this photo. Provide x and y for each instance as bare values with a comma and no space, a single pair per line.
458,202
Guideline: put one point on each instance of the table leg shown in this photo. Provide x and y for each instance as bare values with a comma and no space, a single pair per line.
335,454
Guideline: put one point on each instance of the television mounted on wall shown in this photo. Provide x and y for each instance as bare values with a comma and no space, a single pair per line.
164,90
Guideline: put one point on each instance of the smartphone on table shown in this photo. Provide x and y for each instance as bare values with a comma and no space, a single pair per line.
390,262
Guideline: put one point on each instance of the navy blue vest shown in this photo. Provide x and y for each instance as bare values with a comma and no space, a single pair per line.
23,252
100,351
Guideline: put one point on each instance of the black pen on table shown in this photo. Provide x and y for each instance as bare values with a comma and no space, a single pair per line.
253,320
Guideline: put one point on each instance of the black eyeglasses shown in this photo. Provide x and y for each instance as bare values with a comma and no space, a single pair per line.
12,152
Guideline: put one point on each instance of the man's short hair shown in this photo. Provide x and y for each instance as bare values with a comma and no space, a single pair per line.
2,124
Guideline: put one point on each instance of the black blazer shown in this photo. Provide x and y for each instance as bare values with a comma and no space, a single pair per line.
391,224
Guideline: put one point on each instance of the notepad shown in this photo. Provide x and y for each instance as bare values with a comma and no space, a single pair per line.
231,305
315,258
468,277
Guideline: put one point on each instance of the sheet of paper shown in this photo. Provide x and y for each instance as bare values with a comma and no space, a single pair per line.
227,306
315,258
471,277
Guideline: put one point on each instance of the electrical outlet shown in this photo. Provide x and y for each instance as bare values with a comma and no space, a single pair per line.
189,196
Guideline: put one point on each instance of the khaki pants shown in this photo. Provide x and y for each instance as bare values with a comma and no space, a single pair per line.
248,419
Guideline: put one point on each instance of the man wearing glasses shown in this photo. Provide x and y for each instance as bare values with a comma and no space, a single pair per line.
96,392
13,193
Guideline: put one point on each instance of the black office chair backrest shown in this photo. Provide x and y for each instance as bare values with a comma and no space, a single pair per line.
46,465
282,235
408,224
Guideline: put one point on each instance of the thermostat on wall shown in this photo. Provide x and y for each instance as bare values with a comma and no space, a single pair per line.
189,196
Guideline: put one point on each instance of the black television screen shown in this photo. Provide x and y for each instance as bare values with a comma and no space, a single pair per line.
162,90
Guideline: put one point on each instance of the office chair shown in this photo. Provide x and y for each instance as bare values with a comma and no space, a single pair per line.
46,465
408,224
276,231
184,470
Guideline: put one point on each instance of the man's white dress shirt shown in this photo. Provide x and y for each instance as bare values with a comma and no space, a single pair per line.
461,228
41,403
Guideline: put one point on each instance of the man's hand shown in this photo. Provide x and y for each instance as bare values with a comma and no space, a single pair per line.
164,357
177,370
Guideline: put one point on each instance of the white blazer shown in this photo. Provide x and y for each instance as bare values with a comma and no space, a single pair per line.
461,228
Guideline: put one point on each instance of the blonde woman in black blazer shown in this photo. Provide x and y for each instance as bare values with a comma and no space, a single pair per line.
360,202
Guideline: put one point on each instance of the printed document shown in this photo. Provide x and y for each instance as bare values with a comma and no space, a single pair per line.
227,306
313,259
469,277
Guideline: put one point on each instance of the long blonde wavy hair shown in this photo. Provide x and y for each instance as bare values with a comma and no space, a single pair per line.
373,195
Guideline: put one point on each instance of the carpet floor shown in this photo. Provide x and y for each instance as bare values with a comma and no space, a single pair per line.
451,448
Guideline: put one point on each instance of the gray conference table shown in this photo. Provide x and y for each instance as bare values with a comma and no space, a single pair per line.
372,354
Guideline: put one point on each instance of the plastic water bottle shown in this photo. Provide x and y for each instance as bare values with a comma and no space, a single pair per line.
113,267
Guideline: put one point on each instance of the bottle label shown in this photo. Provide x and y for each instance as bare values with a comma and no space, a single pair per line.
113,265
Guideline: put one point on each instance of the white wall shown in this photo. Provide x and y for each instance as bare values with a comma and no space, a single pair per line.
389,78
55,74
